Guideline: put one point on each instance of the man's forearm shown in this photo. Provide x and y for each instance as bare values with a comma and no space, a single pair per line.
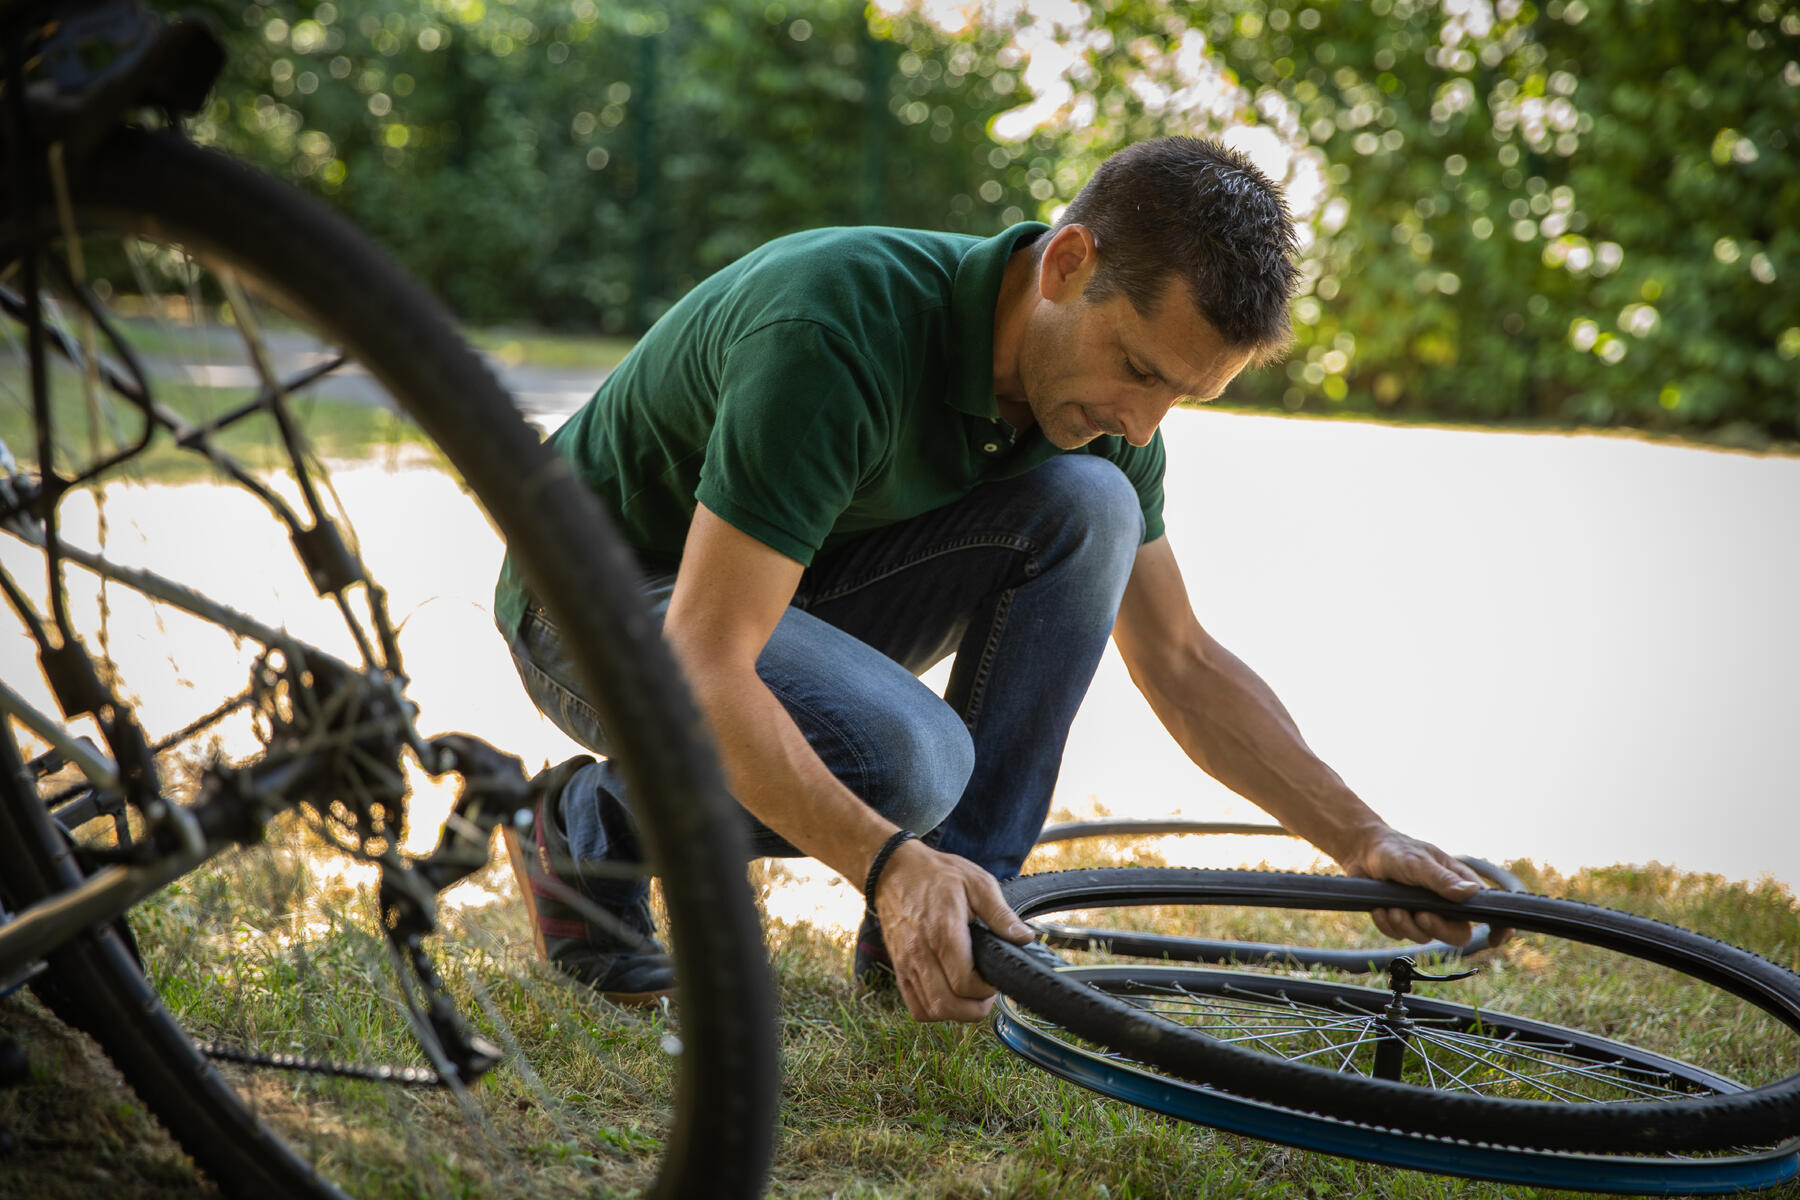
776,775
1235,729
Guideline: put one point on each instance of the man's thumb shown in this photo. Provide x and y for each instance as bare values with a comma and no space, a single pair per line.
997,916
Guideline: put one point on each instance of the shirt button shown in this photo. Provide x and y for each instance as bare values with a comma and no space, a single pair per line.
992,447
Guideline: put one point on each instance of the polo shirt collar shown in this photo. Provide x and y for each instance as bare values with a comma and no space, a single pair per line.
974,293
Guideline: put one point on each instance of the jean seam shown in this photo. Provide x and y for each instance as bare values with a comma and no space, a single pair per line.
980,540
989,649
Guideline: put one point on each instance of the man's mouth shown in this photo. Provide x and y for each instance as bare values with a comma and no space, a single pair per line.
1095,425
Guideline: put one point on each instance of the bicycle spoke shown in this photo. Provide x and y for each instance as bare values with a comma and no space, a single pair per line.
219,564
1258,1020
1541,1053
294,384
1613,1074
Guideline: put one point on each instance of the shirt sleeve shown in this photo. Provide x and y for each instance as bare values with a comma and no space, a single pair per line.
799,422
1144,466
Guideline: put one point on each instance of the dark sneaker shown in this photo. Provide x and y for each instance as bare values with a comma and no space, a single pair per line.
618,957
870,966
873,968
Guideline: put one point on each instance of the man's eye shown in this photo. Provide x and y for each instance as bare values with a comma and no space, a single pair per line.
1140,376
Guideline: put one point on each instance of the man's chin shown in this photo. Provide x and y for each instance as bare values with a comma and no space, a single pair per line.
1072,440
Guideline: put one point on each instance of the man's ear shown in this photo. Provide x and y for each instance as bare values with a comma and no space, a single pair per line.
1068,263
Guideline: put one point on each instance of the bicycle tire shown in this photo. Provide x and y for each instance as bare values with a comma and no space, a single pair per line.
1764,1115
1216,950
720,1139
1277,1007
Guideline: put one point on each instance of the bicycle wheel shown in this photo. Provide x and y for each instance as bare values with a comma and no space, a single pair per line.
1640,965
1449,1044
190,301
1143,944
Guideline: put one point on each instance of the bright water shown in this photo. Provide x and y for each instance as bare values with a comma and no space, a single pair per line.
1577,649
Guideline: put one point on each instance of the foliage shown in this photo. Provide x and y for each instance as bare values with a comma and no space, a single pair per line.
1559,210
579,165
1582,210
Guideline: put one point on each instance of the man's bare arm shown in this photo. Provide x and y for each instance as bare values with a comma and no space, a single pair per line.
1236,729
729,595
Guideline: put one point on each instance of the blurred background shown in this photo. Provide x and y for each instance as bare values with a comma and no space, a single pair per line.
1575,211
1572,216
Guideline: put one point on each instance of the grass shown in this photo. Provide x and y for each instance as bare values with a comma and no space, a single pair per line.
873,1105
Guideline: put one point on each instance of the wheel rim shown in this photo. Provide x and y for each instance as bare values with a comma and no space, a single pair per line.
1614,958
1111,1074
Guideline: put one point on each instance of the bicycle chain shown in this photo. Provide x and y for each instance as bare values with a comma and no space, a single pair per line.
382,1073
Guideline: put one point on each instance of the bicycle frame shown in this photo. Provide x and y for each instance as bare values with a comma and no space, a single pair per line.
161,67
27,936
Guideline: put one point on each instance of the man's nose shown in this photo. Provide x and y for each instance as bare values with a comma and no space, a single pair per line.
1140,418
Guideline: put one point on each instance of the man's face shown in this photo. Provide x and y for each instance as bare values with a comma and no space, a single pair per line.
1089,368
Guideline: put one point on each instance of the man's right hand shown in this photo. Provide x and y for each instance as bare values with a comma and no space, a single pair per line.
731,593
925,900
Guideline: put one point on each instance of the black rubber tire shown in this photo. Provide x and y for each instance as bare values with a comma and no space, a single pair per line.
1208,950
722,1132
1759,1116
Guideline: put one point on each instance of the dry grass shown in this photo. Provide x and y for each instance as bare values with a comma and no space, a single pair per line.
873,1105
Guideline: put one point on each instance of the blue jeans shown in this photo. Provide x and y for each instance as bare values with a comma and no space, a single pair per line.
1020,580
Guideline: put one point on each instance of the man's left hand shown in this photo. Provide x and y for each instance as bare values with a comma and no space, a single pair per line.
1391,855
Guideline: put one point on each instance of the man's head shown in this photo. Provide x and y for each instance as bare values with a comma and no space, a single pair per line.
1164,278
1185,209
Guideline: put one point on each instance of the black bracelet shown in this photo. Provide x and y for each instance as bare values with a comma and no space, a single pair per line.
878,863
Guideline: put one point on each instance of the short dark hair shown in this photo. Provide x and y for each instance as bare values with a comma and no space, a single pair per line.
1188,207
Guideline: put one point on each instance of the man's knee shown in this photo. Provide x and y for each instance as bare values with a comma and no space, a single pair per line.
926,757
1094,495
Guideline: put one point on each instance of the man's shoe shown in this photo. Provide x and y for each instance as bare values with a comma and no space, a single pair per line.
870,966
621,959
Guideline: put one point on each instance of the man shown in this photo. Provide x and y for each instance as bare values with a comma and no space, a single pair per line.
857,451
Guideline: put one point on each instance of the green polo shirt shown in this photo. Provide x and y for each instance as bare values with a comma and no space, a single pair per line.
827,384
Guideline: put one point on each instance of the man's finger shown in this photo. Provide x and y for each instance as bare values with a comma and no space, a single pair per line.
1438,872
929,995
955,959
1399,924
1408,926
1449,929
1384,919
1454,887
986,902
